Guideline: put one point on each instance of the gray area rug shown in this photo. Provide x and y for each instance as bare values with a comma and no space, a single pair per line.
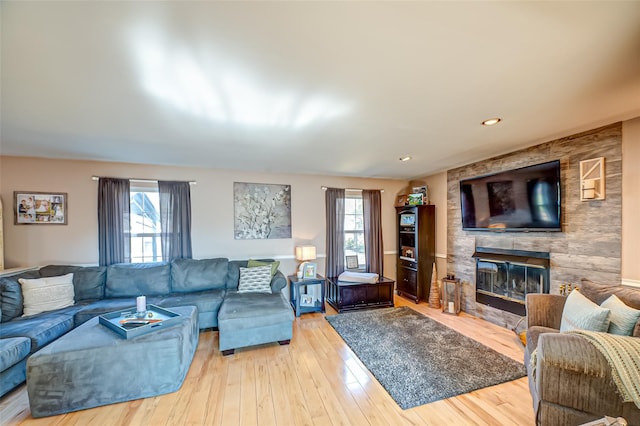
417,359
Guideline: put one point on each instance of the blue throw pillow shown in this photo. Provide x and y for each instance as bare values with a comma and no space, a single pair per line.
580,313
623,318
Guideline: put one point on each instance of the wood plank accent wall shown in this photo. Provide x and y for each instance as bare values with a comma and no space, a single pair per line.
589,245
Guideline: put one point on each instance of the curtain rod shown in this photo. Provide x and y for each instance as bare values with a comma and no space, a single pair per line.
191,182
324,188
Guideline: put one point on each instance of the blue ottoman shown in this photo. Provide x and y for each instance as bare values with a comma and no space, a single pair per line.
247,319
92,366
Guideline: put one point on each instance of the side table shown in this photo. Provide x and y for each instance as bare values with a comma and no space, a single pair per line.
301,301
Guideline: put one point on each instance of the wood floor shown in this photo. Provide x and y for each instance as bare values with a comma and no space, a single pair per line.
316,380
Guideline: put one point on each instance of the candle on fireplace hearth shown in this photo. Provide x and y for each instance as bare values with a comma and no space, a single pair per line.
452,308
141,304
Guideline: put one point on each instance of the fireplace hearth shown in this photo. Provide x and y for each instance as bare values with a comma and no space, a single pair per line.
505,277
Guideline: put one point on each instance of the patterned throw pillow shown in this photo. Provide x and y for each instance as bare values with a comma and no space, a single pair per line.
255,280
580,313
47,294
623,318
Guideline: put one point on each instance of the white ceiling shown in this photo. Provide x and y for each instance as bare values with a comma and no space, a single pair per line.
339,88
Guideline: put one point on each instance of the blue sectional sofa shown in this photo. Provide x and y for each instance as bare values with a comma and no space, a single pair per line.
202,283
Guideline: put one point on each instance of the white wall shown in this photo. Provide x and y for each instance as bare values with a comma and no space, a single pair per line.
212,211
631,202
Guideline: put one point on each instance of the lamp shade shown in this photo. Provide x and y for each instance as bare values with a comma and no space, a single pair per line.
305,253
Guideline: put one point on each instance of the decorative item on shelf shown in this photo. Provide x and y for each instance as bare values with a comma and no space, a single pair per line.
592,179
352,262
309,271
407,252
306,299
567,288
451,295
304,254
415,199
434,292
401,200
424,191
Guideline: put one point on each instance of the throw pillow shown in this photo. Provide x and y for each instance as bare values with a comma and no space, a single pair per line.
623,318
11,301
46,294
256,263
580,313
255,280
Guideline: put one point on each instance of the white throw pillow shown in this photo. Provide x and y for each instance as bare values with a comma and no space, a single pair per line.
580,313
623,318
255,280
46,294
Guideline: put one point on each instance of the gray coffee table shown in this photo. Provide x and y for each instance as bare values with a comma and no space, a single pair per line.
92,366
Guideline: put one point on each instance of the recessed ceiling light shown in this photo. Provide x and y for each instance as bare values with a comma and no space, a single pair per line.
407,158
491,121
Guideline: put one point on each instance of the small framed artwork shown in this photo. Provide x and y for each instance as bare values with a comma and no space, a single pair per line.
306,299
415,199
401,200
352,262
38,208
309,270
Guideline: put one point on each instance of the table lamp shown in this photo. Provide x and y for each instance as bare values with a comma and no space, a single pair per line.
303,254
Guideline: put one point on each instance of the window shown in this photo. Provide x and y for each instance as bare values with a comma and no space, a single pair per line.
144,204
354,228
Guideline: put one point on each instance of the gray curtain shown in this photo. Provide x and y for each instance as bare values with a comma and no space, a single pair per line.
175,220
114,241
372,209
334,200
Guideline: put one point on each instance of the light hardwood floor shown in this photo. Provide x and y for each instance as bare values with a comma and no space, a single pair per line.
316,380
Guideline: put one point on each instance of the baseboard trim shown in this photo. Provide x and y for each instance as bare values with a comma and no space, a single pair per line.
631,283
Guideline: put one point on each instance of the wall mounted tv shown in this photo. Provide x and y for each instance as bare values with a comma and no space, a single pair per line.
522,200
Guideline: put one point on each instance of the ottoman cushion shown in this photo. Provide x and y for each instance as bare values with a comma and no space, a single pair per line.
93,366
241,311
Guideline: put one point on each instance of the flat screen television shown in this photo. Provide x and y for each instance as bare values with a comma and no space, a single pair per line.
525,199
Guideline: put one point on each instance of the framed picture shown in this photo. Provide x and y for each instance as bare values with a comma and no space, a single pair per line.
261,211
38,208
401,200
309,270
415,199
306,299
352,262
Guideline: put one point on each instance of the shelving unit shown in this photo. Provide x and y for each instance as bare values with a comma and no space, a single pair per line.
416,250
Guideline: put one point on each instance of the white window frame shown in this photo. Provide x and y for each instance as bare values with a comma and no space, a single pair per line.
350,195
143,187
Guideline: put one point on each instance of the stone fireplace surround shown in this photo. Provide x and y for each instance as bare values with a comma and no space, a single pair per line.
589,245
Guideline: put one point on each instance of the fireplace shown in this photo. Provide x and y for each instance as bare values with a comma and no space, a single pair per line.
505,277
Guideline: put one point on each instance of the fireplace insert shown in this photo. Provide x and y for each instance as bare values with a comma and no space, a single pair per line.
505,277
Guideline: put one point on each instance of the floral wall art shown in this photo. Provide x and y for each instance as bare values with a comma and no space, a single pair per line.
261,211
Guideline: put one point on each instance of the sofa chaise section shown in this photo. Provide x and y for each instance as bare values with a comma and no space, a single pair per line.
248,319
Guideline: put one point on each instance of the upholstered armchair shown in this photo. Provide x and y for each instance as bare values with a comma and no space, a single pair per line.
570,380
